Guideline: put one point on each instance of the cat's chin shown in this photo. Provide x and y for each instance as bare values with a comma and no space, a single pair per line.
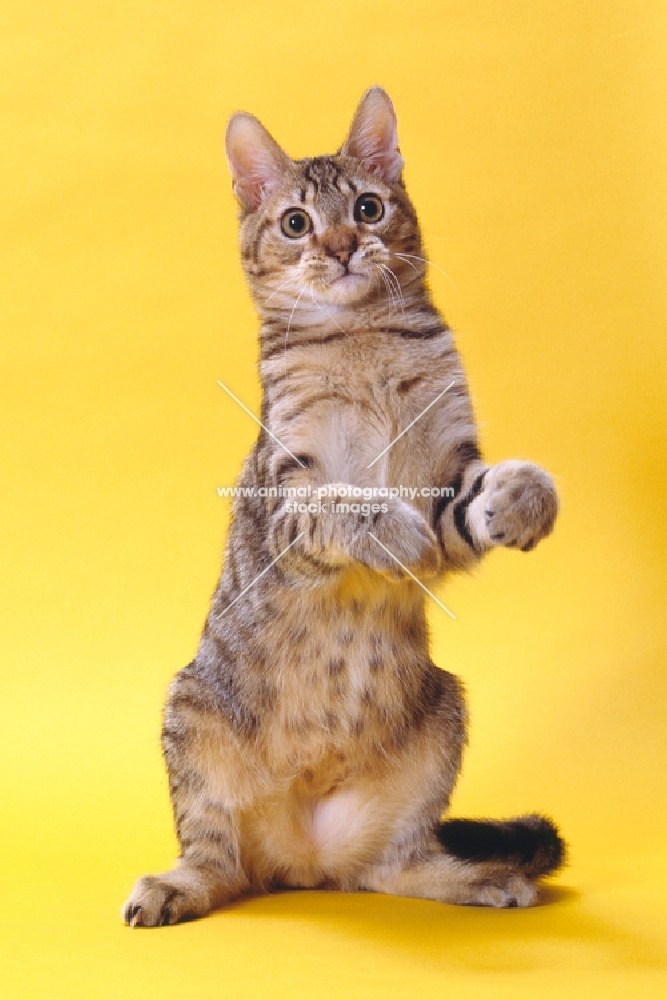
347,289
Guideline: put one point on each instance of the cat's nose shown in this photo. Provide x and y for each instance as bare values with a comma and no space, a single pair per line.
341,245
344,255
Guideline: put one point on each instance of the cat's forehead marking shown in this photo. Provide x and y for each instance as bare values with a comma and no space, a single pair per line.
326,185
322,173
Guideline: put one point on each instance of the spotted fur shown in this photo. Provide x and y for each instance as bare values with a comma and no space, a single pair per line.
312,741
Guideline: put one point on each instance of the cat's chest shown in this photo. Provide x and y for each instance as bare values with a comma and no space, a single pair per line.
391,379
346,412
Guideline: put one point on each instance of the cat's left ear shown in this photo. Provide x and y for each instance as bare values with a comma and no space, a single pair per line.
373,136
256,161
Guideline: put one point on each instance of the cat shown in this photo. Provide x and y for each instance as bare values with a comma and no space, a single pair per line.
312,742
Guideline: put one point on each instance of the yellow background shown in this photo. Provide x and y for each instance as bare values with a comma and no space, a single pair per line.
535,137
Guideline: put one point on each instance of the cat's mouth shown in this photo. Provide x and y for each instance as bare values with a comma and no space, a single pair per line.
347,276
348,286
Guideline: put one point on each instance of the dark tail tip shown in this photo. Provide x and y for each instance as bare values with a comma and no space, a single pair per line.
531,843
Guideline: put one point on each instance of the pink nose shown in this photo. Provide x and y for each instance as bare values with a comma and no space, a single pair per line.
343,255
341,246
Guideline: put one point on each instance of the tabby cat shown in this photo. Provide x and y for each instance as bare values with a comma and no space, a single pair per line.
312,742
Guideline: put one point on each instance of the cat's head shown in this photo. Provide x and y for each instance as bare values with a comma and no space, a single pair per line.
329,229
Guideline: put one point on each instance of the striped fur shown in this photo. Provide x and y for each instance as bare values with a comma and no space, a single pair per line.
312,741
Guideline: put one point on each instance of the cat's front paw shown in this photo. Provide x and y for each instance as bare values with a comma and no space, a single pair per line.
520,504
400,539
155,902
320,529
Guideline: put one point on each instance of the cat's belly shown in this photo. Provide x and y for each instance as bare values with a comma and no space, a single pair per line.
353,662
310,841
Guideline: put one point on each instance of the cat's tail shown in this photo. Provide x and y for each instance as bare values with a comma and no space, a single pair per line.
531,844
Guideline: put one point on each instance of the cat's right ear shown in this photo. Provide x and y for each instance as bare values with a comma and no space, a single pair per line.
373,138
256,161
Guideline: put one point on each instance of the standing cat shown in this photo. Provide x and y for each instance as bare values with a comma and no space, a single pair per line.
312,742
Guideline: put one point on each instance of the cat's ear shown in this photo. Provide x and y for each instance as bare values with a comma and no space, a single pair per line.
256,161
373,136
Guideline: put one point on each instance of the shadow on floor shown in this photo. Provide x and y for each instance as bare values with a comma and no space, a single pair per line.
563,930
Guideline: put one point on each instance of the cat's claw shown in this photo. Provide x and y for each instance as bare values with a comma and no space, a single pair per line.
155,903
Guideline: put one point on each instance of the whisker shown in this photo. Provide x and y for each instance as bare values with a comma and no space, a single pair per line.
394,292
397,298
413,266
275,291
390,294
414,256
386,282
394,297
399,289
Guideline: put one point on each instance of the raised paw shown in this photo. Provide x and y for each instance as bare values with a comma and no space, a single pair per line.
401,539
341,528
322,528
520,505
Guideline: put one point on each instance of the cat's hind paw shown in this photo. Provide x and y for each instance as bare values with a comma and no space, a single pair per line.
515,891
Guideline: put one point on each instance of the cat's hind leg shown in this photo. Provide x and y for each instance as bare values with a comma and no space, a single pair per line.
449,880
467,862
470,862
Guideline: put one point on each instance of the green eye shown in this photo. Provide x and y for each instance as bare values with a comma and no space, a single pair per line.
295,223
368,208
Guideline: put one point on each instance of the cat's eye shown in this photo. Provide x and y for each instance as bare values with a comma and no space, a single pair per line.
368,208
295,223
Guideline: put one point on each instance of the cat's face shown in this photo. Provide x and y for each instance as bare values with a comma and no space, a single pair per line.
328,231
